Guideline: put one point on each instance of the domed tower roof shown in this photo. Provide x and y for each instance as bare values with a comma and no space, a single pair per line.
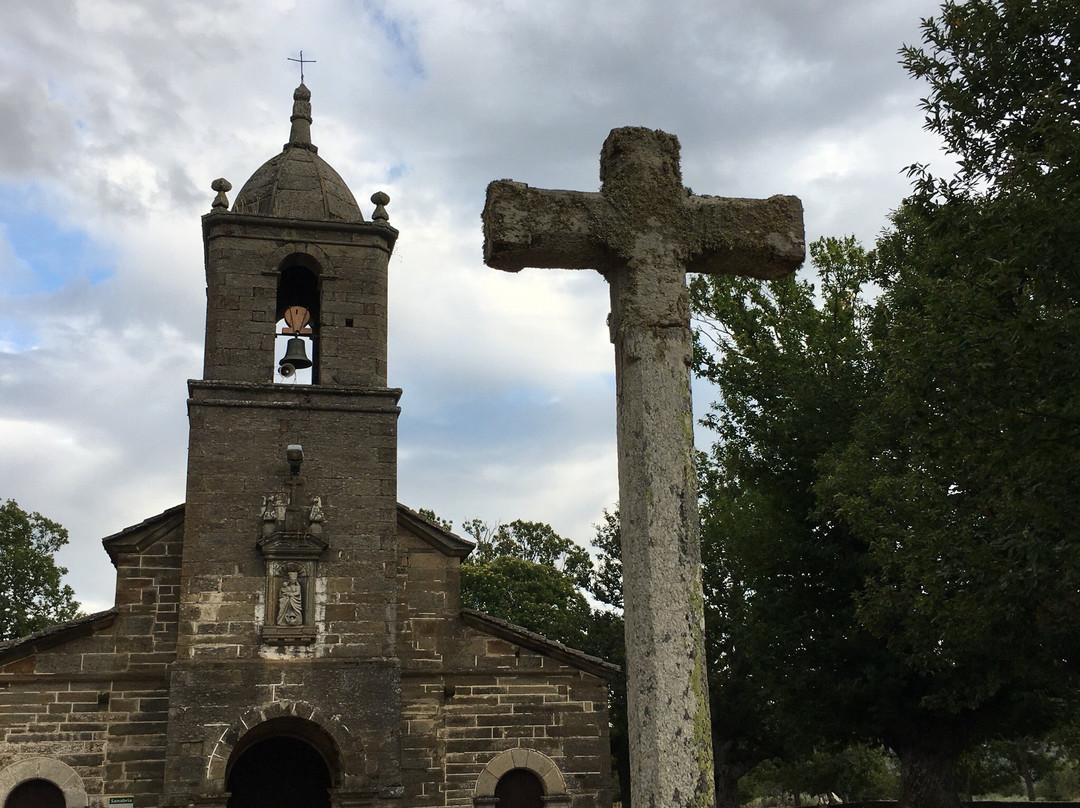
298,184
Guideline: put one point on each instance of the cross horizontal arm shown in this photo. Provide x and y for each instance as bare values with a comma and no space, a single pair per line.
759,238
534,227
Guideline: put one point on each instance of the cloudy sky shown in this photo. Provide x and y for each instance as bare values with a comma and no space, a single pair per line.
117,114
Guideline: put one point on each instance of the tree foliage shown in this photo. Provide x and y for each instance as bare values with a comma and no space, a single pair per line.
531,541
32,596
791,364
606,584
957,467
955,473
852,773
892,485
1003,78
528,574
531,595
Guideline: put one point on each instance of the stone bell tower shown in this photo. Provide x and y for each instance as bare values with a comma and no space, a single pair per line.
288,595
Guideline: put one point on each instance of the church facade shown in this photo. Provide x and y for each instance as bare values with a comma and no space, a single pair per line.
291,634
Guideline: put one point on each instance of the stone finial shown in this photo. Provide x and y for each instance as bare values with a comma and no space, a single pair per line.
221,202
273,512
300,134
315,516
380,200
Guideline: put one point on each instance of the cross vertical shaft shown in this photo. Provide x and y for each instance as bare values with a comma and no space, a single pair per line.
664,616
644,231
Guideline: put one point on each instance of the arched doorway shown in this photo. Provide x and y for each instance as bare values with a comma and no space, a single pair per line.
279,772
36,793
519,788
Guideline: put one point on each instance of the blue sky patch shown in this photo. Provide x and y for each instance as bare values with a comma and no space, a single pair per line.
56,255
408,65
17,336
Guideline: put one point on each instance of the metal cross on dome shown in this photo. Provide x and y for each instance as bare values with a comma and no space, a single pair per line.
302,62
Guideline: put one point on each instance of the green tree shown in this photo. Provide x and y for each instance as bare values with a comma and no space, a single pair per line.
528,574
32,596
606,584
530,595
853,773
792,367
531,541
1027,761
956,471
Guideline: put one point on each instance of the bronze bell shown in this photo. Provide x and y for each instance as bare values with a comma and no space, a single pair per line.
295,354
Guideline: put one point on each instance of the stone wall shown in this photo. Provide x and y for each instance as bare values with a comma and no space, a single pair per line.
243,255
459,722
92,694
469,696
236,457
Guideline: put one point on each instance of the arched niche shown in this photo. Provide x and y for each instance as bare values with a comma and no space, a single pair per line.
43,768
522,758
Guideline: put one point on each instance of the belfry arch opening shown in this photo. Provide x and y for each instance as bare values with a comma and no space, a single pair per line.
297,288
282,763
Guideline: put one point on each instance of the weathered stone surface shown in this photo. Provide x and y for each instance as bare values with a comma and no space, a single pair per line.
644,231
98,703
298,184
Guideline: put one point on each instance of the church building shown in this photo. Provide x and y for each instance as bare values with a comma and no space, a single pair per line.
291,635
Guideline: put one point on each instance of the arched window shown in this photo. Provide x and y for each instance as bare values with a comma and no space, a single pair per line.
36,793
41,782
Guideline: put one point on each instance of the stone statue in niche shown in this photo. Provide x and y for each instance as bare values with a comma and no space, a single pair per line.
290,601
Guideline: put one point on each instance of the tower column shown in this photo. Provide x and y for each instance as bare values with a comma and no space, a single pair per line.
288,589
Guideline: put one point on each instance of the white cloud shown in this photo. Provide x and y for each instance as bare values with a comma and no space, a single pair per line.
119,114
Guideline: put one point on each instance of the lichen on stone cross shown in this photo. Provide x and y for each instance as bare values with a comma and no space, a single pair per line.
644,231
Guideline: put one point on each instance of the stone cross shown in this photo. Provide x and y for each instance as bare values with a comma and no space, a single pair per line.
644,231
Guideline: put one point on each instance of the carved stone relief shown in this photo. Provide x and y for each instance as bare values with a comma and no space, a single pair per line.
291,543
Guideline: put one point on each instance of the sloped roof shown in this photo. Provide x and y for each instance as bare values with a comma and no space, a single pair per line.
539,643
55,635
138,537
434,534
